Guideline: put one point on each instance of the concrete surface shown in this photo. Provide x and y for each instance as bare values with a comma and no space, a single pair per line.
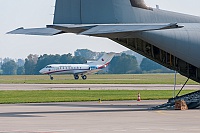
94,117
94,87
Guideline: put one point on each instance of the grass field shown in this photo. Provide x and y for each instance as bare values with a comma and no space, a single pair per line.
44,96
96,79
88,95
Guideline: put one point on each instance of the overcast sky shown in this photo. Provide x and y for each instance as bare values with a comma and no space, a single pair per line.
38,13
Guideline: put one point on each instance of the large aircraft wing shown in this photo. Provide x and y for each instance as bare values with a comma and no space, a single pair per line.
94,29
122,28
36,31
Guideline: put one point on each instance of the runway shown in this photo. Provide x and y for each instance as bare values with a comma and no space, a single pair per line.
94,87
93,117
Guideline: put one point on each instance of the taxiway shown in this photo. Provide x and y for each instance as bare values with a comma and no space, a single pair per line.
93,117
94,87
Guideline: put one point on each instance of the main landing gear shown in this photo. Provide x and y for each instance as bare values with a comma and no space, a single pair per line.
76,77
84,77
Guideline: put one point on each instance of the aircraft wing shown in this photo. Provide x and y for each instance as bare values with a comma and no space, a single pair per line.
94,29
112,30
92,71
36,31
123,28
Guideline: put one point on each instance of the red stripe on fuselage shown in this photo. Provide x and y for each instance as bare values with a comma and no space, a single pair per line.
104,66
51,72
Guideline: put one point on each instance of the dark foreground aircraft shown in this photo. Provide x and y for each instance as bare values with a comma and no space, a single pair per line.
169,38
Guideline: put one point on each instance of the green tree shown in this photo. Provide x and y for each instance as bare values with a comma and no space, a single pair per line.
123,64
149,65
85,53
78,60
9,68
44,60
20,62
66,58
20,70
30,64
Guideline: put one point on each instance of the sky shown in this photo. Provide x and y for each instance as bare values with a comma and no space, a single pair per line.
38,13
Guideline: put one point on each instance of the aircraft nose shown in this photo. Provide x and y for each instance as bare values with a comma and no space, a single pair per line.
41,71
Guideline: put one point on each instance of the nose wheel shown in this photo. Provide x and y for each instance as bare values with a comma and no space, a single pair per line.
51,77
84,77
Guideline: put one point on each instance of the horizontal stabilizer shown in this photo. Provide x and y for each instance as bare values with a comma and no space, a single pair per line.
36,31
123,28
93,29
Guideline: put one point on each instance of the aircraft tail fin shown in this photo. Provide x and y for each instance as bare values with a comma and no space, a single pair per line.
91,11
113,12
103,61
67,12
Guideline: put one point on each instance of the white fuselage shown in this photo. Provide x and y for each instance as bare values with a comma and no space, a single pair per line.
67,69
78,69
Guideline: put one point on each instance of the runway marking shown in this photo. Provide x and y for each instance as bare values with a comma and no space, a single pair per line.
161,112
120,130
164,113
194,129
56,131
168,129
143,129
41,131
96,130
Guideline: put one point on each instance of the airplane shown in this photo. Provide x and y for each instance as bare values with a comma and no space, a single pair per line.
78,69
168,38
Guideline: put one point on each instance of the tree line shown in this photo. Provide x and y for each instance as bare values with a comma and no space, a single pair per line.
120,64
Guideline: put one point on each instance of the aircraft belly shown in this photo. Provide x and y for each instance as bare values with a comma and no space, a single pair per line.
78,71
68,72
62,72
183,43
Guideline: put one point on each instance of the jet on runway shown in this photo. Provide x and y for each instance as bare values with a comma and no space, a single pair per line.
168,38
79,69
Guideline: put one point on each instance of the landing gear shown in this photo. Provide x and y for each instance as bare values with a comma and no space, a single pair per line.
76,77
51,77
84,77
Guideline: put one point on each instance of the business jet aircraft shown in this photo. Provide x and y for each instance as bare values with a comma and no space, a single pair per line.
79,69
169,38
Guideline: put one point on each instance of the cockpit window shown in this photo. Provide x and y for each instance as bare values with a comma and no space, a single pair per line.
140,4
48,66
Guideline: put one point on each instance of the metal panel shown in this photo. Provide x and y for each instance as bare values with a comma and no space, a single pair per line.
67,12
118,28
98,11
36,31
184,43
113,11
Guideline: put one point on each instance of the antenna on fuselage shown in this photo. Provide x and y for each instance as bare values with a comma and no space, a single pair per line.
157,7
